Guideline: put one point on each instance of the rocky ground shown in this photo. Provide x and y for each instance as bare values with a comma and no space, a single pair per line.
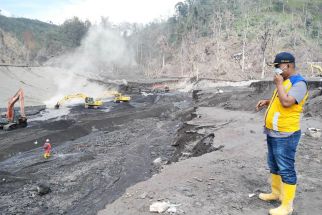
97,154
208,146
228,180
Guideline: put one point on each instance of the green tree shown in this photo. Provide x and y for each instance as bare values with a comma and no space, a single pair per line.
74,29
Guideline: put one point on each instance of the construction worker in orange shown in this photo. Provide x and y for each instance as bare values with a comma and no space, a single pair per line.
47,148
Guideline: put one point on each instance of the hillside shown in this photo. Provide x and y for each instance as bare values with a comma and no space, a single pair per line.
231,39
223,40
26,41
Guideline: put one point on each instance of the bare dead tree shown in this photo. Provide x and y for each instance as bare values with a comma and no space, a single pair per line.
164,46
265,38
244,45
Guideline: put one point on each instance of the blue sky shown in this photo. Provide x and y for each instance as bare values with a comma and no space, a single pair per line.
27,8
57,11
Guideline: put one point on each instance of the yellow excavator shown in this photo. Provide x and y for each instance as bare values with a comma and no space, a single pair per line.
318,67
89,101
118,97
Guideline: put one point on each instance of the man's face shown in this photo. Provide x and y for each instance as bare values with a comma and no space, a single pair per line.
285,68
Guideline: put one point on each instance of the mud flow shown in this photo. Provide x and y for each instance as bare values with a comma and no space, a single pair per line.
96,154
99,153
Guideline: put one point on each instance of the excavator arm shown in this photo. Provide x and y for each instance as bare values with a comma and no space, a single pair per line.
89,101
10,110
118,97
69,97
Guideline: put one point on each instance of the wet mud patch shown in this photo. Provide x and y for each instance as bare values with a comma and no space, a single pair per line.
96,155
58,125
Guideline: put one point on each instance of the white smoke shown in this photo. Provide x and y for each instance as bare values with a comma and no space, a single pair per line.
103,57
102,52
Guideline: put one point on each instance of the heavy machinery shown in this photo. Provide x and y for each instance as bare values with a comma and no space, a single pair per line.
89,101
160,88
118,97
318,67
14,119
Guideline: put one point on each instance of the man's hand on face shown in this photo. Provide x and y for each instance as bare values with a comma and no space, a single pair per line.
278,80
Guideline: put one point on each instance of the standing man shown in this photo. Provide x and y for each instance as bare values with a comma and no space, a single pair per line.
47,149
282,127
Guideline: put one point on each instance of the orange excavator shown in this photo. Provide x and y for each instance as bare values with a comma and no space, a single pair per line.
13,118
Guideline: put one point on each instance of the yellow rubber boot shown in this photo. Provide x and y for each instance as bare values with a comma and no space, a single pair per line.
46,155
286,208
276,189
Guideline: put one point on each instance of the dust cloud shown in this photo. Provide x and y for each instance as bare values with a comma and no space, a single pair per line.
104,56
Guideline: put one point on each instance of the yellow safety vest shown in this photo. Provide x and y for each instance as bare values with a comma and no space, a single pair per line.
285,119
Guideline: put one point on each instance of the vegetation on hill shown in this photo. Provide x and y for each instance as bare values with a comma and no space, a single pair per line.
221,39
225,39
38,40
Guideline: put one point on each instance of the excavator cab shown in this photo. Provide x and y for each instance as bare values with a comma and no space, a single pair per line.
89,100
3,122
91,103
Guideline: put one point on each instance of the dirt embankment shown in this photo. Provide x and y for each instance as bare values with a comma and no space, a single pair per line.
38,83
228,180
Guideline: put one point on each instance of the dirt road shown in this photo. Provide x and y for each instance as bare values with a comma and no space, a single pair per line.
225,181
228,180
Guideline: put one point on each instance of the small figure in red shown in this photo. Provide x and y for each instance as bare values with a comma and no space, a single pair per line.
47,148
